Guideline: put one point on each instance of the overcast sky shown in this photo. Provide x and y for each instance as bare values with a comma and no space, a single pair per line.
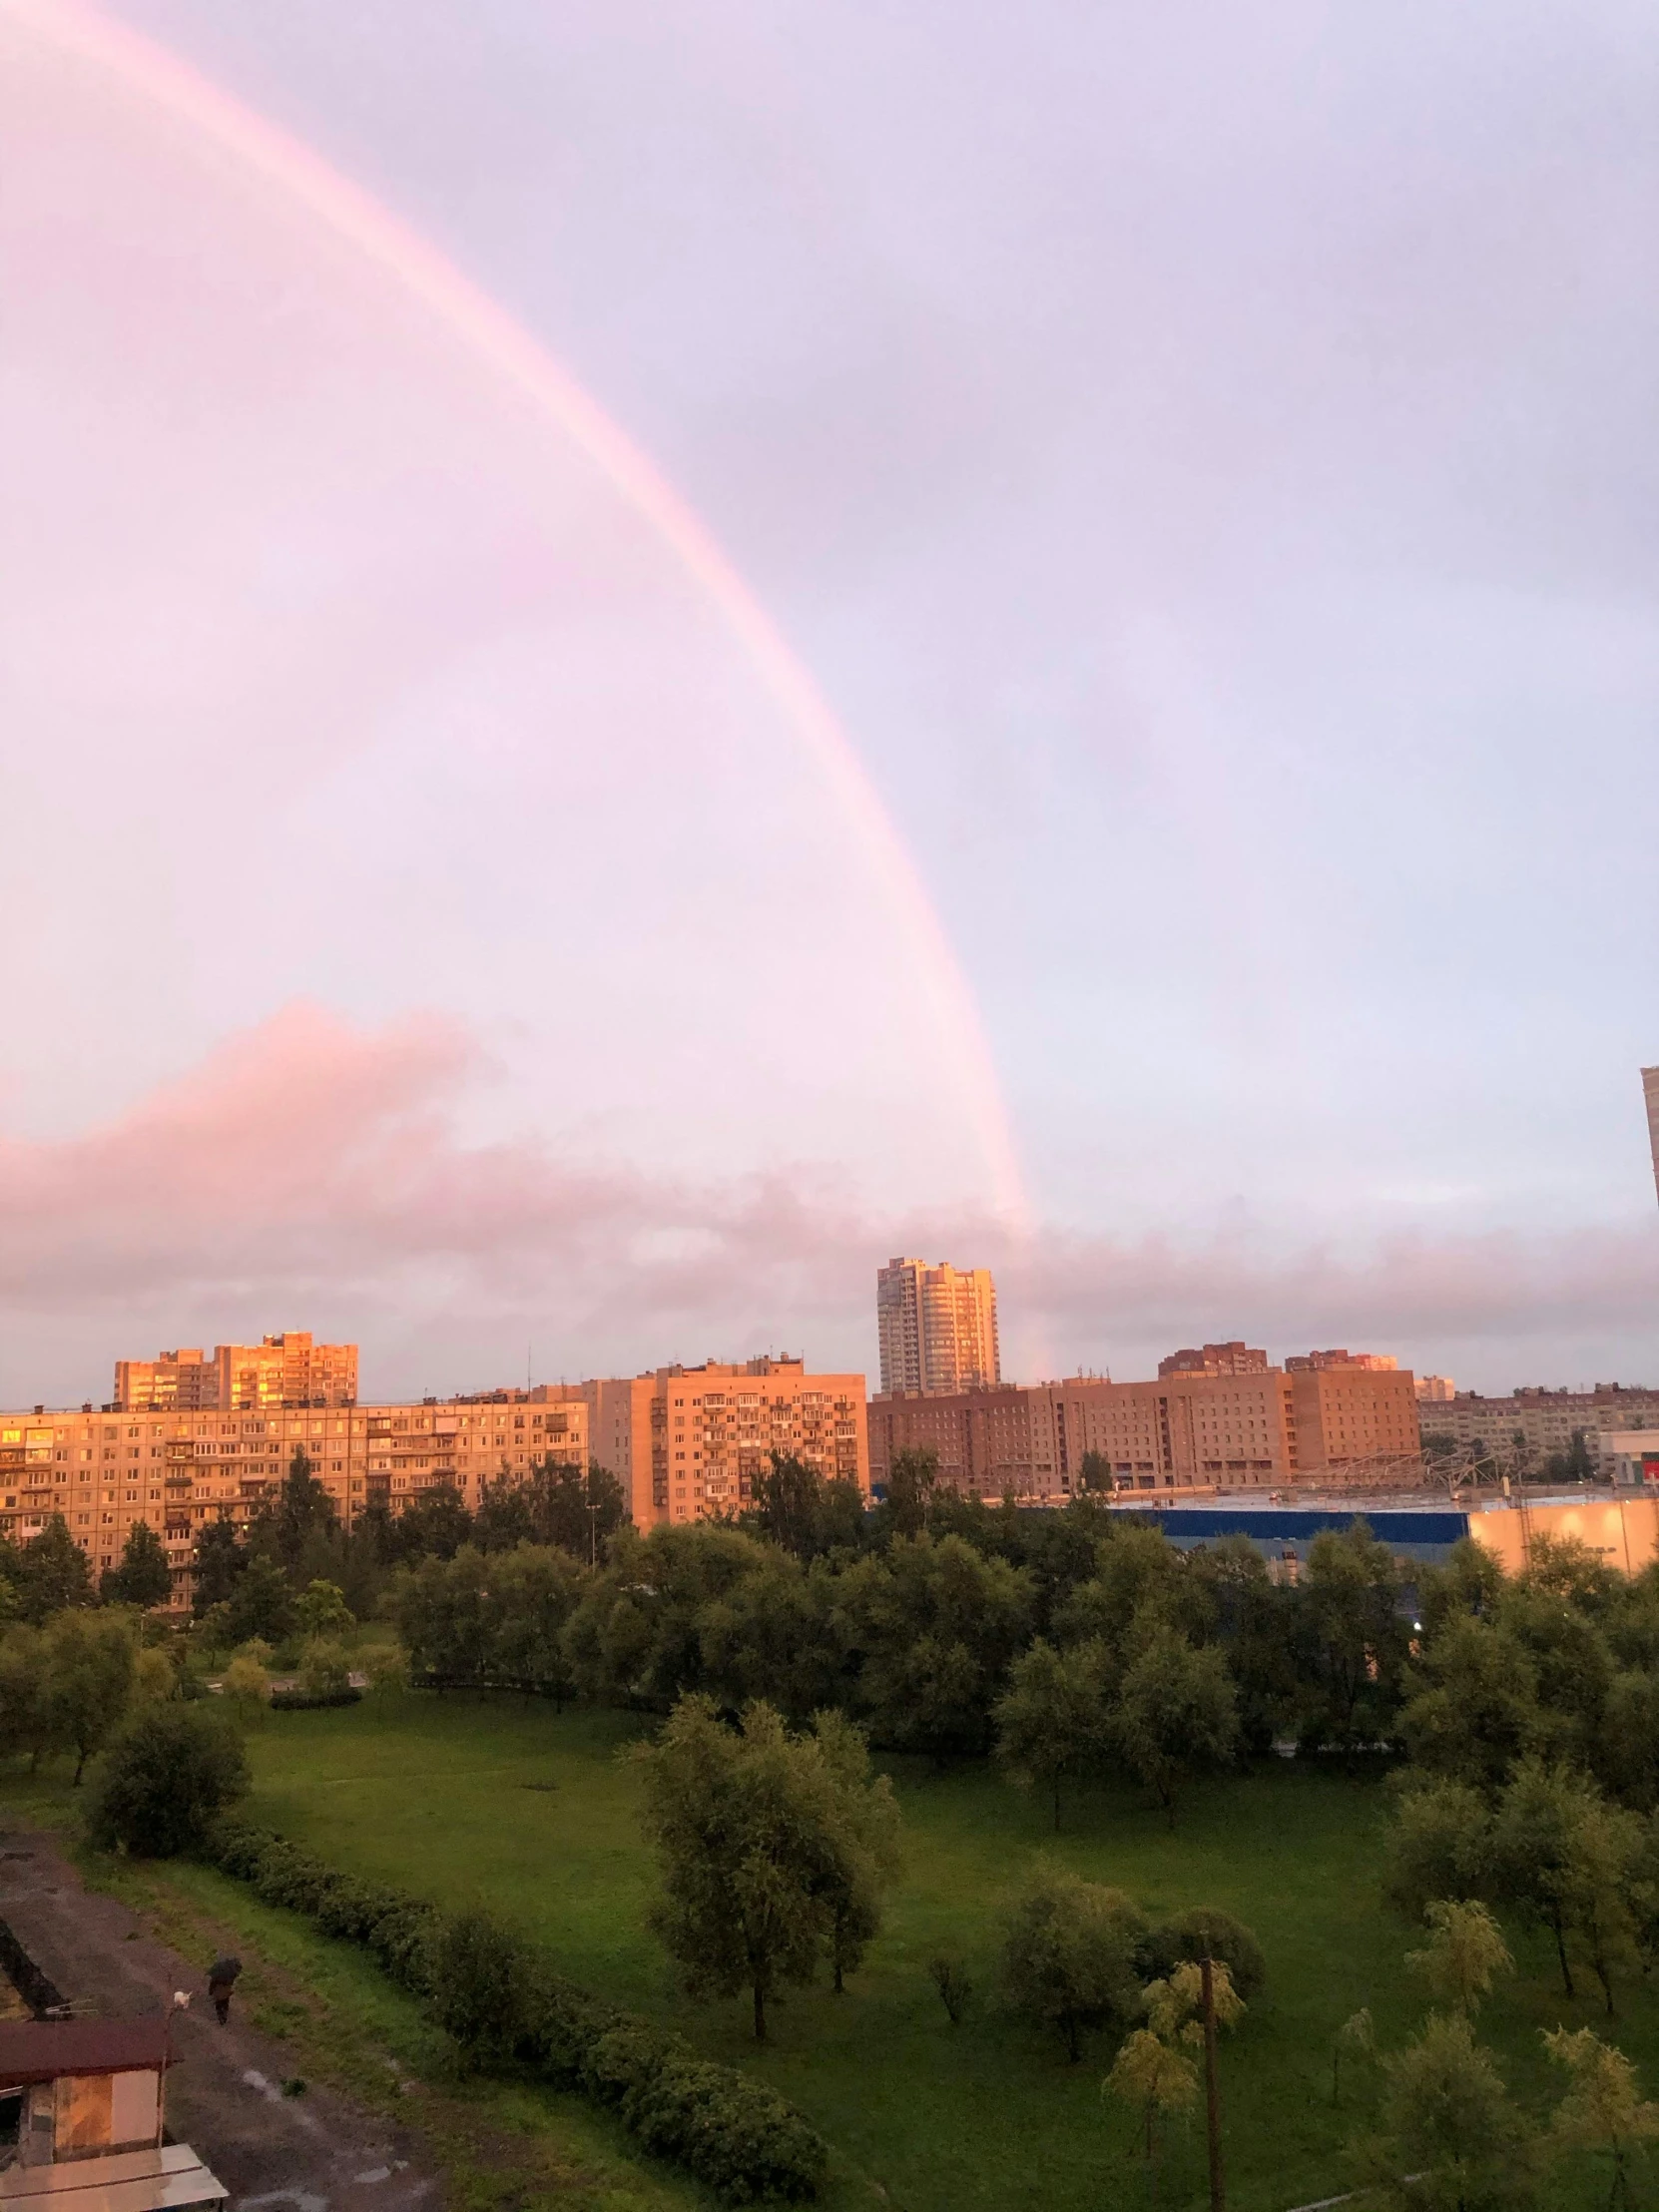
1203,455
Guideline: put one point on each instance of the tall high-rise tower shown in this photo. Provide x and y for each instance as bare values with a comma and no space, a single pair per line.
937,1327
1650,1091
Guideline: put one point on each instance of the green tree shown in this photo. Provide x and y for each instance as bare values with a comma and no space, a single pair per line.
1094,1473
1463,1955
144,1577
261,1604
504,1517
1569,1861
434,1526
866,1858
1177,1713
245,1688
1351,1641
1473,1709
1356,2041
1155,2078
90,1663
533,1591
788,1501
1053,1722
322,1610
936,1625
28,1718
1451,2139
169,1775
1139,1575
303,1509
54,1573
576,1511
1603,2114
220,1560
324,1668
753,1836
1439,1846
1068,1958
913,1475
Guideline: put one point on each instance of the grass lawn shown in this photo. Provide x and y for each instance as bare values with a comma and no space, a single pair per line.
466,1799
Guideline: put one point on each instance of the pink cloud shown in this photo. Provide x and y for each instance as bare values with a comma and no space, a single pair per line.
310,1160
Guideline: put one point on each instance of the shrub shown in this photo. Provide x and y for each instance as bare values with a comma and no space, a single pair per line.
171,1773
1198,1930
310,1701
482,1982
324,1668
1069,1958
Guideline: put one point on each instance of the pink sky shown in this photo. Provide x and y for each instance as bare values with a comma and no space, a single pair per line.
429,922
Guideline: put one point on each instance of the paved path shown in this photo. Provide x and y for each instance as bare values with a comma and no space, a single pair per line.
313,2153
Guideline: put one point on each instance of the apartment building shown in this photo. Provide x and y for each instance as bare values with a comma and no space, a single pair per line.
936,1327
288,1369
690,1442
1375,1362
1650,1097
1252,1429
1235,1357
106,1470
1544,1420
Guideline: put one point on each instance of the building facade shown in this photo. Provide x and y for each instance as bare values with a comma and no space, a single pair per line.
1650,1095
288,1370
689,1444
1228,1359
106,1471
936,1327
1258,1428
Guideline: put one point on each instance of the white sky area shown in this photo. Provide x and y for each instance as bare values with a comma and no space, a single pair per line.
1204,456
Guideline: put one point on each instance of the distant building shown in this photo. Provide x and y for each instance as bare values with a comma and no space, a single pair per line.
689,1444
1230,1359
1255,1429
1309,1363
288,1370
936,1327
1650,1092
1435,1389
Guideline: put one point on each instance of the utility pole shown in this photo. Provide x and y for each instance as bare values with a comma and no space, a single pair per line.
1212,2091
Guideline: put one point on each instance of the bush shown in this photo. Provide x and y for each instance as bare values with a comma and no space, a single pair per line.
500,1998
482,1982
1204,1930
1070,1954
169,1776
310,1701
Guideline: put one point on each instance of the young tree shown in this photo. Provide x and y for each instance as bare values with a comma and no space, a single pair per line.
261,1604
173,1770
753,1836
324,1669
1567,1860
1356,2041
1068,1959
1463,1955
1177,1713
54,1573
867,1855
1450,2140
245,1688
1155,2078
951,1979
90,1662
322,1610
1603,2113
1053,1722
144,1577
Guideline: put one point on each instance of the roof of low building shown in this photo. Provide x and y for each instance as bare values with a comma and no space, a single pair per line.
41,2050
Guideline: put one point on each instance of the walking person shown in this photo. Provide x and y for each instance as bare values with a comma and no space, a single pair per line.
222,1980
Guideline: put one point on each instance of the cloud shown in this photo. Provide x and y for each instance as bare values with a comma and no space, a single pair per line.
309,1164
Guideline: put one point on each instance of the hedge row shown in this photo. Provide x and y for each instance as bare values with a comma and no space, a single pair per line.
506,2007
311,1701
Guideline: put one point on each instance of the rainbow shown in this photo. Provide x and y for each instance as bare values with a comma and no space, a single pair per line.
503,347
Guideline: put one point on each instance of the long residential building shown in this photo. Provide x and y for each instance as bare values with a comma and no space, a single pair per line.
689,1443
1253,1429
1542,1420
106,1470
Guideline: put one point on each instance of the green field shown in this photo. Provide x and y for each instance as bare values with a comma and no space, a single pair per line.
466,1799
